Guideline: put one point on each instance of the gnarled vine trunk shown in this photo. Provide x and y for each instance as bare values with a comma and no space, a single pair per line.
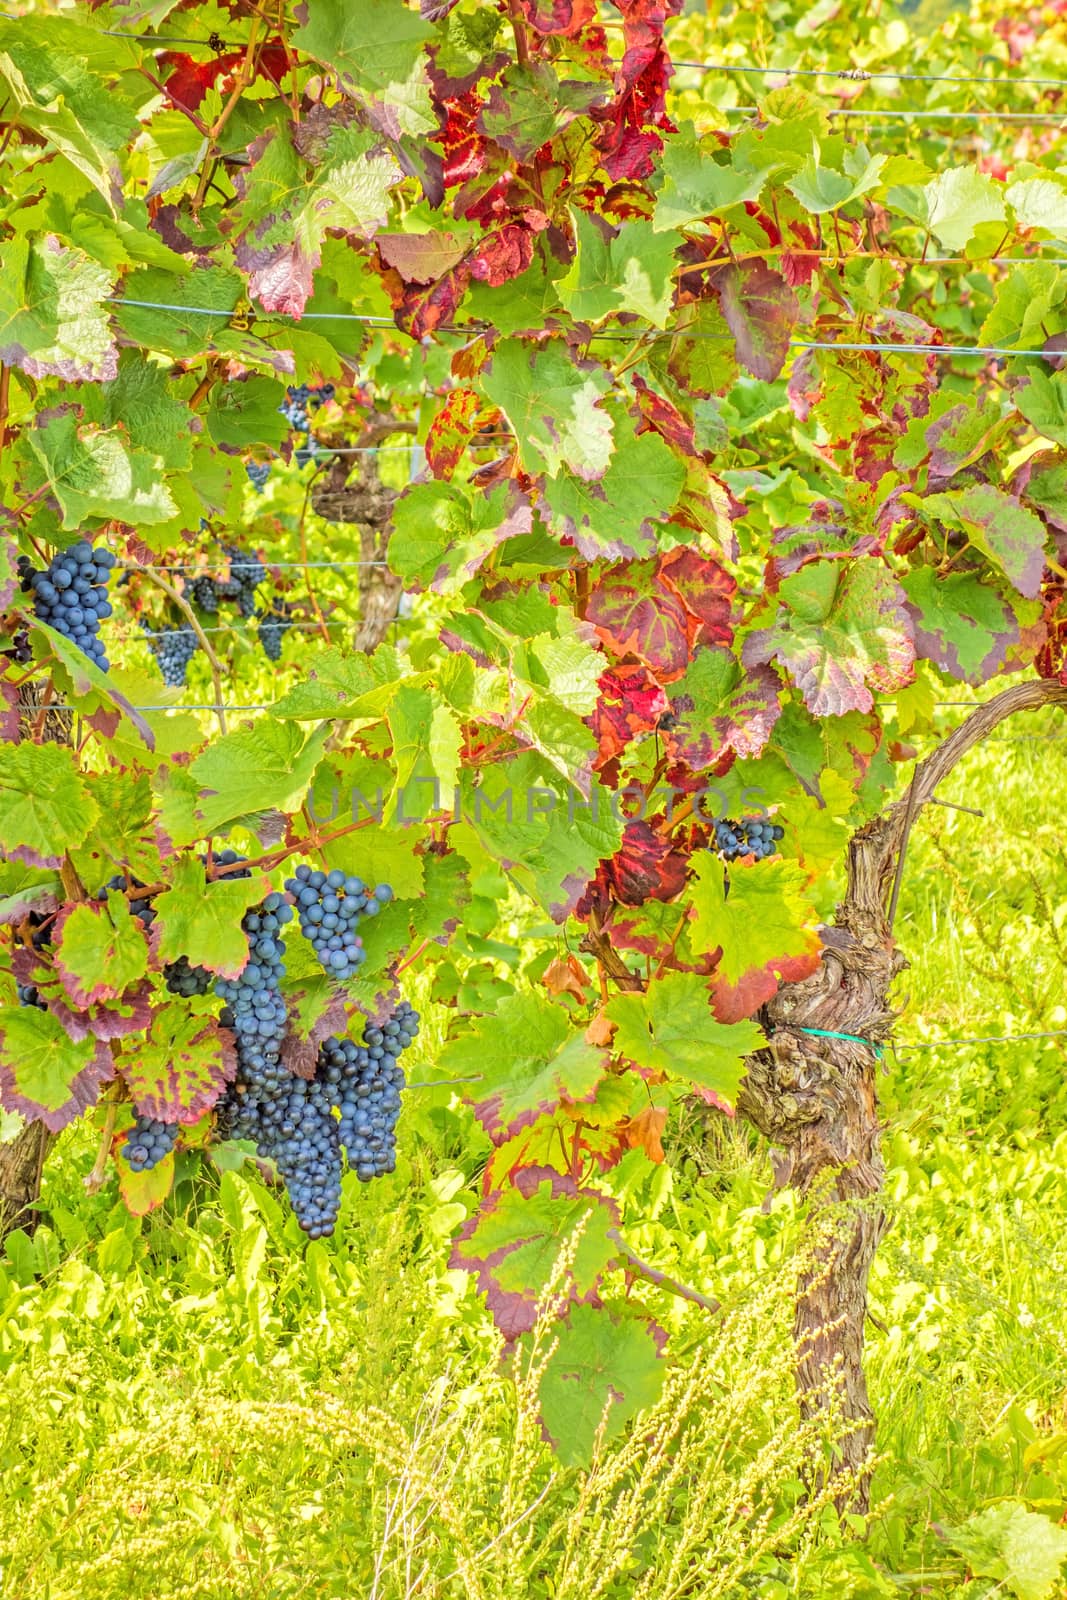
359,496
22,1158
813,1093
21,1164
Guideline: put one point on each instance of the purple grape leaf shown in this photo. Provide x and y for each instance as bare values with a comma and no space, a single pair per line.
300,1050
637,613
100,951
965,626
181,1067
512,1244
529,1061
761,311
45,1074
719,707
1000,527
861,641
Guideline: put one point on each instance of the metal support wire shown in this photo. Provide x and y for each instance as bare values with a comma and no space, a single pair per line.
656,333
860,75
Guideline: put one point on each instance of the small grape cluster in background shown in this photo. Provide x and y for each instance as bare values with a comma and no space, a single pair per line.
70,595
258,473
752,836
173,649
148,1142
246,574
273,625
331,906
299,401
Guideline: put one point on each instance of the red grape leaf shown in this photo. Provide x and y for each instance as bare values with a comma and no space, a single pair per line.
513,1243
761,311
179,1070
636,613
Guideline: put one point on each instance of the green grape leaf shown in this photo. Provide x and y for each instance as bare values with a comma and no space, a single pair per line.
180,1067
376,52
53,322
529,1061
202,920
1039,203
100,951
245,413
628,269
515,1239
603,1372
551,402
93,473
1043,401
1015,1546
264,768
755,915
958,201
671,1029
45,808
616,517
442,535
45,1075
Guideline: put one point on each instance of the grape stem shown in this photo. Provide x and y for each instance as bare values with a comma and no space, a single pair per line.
645,1269
94,1180
187,612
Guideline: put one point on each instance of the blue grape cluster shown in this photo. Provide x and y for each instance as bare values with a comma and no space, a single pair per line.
331,906
148,1142
28,996
246,574
363,1082
258,473
183,979
299,402
749,837
273,625
289,1120
173,648
71,595
254,1007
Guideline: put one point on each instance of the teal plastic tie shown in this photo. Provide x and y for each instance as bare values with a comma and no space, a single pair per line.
852,1038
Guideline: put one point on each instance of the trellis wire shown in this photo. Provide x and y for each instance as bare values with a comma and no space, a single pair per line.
860,75
897,1049
878,114
674,333
170,566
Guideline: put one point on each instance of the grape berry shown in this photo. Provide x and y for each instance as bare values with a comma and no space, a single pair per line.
173,648
148,1142
71,595
751,836
331,907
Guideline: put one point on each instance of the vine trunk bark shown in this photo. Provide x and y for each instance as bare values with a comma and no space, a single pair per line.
22,1158
21,1164
813,1092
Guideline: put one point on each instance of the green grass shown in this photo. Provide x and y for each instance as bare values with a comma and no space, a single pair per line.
199,1404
